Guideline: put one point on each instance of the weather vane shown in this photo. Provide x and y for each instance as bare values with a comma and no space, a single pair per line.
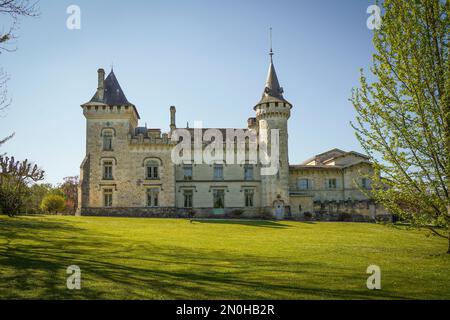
270,39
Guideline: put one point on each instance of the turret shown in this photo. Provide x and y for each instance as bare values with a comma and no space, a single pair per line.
109,112
273,112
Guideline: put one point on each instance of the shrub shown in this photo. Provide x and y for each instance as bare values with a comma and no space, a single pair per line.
308,215
237,213
267,214
344,216
53,203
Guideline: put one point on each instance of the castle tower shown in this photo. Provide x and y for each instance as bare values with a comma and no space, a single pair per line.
273,112
110,120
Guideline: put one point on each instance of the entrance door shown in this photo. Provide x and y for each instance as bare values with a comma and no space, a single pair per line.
218,201
279,209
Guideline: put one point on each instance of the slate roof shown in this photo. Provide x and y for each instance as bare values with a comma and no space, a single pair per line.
113,94
273,92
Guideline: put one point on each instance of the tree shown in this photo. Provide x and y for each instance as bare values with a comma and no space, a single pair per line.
70,190
13,9
15,178
36,193
403,114
53,203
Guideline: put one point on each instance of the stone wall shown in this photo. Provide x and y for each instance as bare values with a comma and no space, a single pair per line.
161,212
348,182
171,212
350,210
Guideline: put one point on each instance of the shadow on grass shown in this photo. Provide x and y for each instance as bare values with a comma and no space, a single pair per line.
38,252
251,223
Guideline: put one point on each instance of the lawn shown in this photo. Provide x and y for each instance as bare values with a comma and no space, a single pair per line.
137,258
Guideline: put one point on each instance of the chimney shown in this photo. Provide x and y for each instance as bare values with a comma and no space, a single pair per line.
173,110
251,122
101,86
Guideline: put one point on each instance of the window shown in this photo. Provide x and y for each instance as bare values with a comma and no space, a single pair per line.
107,197
332,183
248,172
187,194
218,172
304,184
365,183
152,197
187,171
152,170
107,141
249,193
218,199
107,170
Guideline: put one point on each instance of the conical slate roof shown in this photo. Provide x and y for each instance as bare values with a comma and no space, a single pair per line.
272,87
273,92
113,93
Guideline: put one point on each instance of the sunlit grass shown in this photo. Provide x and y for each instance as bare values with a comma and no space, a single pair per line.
126,258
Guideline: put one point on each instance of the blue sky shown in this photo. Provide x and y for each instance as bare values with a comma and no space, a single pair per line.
208,58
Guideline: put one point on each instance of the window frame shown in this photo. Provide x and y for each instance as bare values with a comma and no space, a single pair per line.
107,170
107,136
152,197
330,185
248,168
190,176
108,198
217,192
152,167
249,198
365,183
188,194
299,184
219,168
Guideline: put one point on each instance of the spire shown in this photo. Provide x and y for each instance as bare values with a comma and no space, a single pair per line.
272,87
271,51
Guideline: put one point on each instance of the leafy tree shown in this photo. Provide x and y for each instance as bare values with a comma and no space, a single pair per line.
70,190
403,112
15,178
36,193
53,203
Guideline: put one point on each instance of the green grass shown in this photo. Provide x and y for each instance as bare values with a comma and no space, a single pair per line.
126,258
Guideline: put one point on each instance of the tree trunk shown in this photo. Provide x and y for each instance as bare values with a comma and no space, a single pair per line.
448,212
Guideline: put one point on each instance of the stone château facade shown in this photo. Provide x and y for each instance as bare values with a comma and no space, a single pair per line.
128,170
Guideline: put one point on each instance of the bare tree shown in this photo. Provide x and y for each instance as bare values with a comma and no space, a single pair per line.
14,9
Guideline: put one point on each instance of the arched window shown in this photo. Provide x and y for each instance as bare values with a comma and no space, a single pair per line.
152,170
